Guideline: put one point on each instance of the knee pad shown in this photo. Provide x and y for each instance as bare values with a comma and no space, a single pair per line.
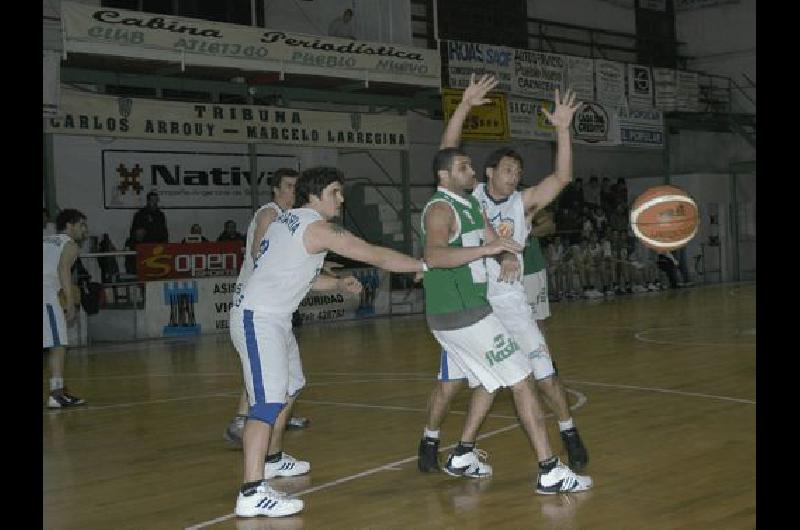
266,412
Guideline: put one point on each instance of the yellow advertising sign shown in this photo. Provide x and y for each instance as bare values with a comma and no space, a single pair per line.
486,122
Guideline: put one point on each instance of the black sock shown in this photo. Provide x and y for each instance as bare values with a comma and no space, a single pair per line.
430,440
249,488
274,458
545,466
464,447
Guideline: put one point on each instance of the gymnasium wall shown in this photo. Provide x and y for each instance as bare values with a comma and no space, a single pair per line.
613,15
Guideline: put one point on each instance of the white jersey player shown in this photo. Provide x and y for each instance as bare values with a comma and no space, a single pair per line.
289,258
59,252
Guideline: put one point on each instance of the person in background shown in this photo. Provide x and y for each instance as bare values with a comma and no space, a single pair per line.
607,198
195,235
343,26
592,192
230,233
138,237
152,219
48,227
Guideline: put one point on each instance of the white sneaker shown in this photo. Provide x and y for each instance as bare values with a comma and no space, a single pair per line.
287,466
652,287
266,501
638,289
561,479
593,293
469,464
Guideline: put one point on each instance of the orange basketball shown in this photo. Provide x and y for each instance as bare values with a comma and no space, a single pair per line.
664,218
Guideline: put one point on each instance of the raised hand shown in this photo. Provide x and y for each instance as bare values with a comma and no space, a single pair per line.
509,269
565,109
475,93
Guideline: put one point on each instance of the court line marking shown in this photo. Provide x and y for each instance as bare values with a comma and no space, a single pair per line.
640,337
355,476
662,391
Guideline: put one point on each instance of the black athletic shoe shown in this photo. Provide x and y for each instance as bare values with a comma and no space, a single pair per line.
576,451
62,400
428,455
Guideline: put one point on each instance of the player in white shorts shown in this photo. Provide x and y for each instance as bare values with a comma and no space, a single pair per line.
288,261
509,212
469,321
283,185
59,252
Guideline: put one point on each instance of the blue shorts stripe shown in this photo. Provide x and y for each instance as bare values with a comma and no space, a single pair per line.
53,327
443,366
252,355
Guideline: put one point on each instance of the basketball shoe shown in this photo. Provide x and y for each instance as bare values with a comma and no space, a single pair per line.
263,500
469,464
561,479
427,455
297,422
234,430
576,451
287,466
60,399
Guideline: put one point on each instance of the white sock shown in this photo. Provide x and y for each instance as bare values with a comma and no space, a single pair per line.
431,434
56,383
564,425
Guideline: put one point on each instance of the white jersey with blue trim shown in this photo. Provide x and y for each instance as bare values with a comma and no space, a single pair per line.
508,219
249,262
283,270
52,248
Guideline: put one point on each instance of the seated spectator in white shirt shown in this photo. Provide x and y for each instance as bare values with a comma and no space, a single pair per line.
343,26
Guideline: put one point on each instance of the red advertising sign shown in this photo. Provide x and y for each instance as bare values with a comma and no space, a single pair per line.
163,261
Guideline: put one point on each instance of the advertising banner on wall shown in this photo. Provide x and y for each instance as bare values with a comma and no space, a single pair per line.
580,77
374,299
526,121
595,124
641,127
466,58
610,82
685,5
185,179
687,92
116,32
153,119
484,122
51,82
640,86
538,74
665,82
163,261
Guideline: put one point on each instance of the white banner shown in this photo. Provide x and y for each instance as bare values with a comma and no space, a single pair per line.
51,82
185,179
688,92
526,120
610,82
98,115
666,86
580,77
684,5
596,124
372,301
641,127
110,31
538,74
640,86
465,58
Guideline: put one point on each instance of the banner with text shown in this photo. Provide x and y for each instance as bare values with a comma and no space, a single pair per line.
484,122
186,179
322,306
580,77
526,121
163,261
665,82
538,74
640,86
466,58
98,115
688,92
641,127
610,83
596,124
116,32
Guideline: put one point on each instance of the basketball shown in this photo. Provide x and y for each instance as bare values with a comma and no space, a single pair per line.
664,218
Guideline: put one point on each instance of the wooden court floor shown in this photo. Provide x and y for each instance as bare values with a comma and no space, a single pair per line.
662,386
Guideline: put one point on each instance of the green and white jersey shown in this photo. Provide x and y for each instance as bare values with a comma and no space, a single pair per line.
533,258
456,297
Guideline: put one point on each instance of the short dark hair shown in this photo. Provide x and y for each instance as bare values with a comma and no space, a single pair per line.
153,193
280,174
350,10
313,181
68,216
497,155
443,161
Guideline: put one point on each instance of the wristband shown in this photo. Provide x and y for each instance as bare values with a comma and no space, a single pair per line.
424,265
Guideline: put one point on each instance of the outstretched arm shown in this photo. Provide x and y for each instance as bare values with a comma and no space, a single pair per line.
543,193
474,94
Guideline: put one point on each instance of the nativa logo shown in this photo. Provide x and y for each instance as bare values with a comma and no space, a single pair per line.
591,123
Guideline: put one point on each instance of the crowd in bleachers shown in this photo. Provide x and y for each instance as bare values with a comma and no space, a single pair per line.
594,254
